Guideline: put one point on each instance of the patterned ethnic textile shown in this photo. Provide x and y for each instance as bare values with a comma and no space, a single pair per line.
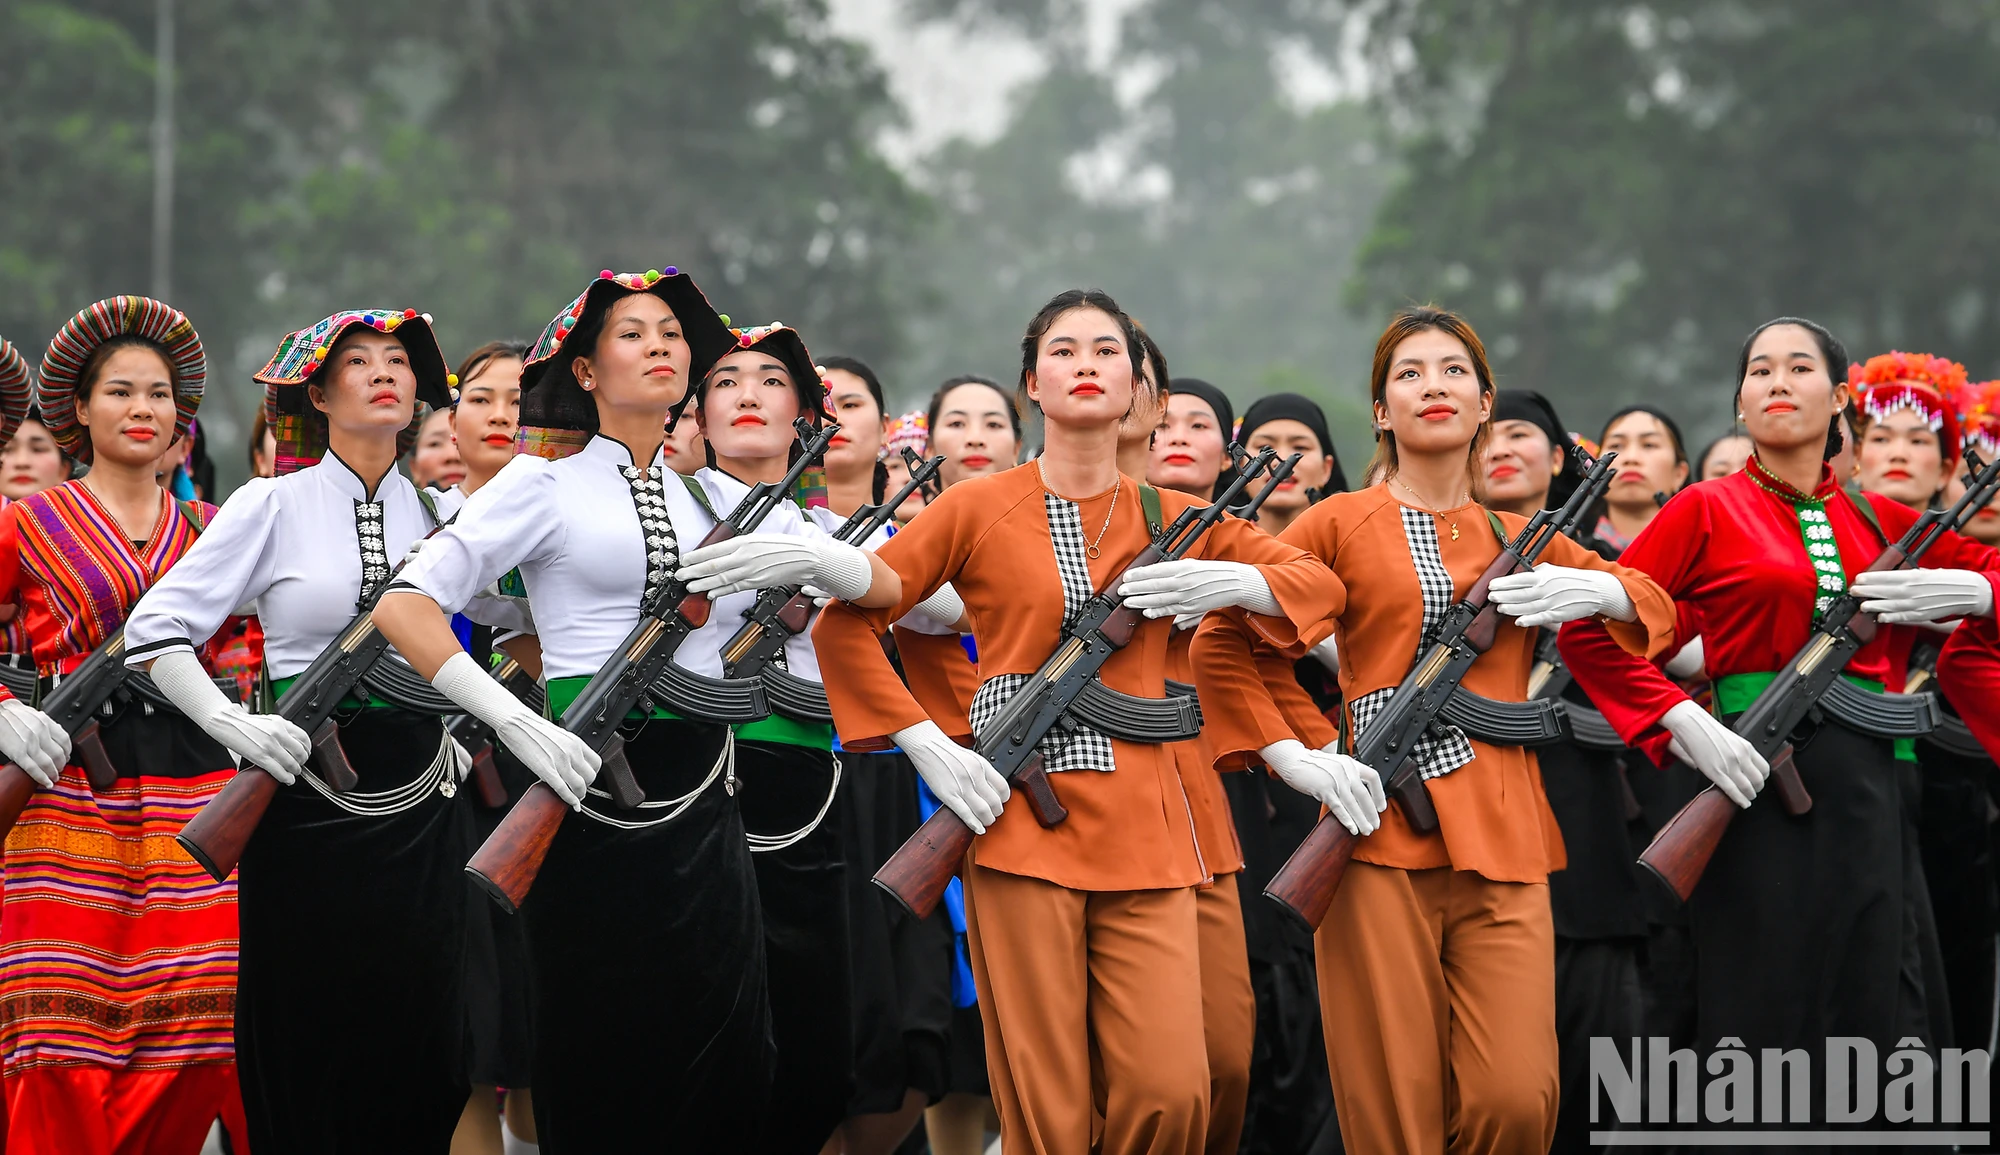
115,947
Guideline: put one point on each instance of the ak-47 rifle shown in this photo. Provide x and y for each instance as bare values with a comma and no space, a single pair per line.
918,872
73,705
217,834
782,612
506,865
1279,472
477,737
1306,883
1681,850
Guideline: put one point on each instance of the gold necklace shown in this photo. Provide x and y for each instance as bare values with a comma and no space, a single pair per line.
1448,519
1091,550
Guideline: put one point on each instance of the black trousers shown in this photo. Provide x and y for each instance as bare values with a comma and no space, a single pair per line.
652,1030
803,893
350,1027
1597,994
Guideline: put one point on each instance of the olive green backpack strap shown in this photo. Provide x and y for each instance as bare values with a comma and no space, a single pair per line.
700,496
430,504
1499,531
1867,510
196,516
1149,502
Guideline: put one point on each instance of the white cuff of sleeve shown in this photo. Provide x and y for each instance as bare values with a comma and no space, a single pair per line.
844,571
461,680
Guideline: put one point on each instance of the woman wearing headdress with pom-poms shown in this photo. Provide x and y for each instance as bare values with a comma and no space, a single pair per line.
118,954
652,1021
349,1025
1799,921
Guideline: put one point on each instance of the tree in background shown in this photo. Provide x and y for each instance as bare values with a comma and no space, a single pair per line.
477,158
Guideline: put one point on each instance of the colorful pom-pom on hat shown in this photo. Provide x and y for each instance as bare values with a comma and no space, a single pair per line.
300,429
166,327
17,389
554,408
783,342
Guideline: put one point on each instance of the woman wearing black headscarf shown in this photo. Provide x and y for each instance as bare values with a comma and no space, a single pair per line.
1191,448
1292,424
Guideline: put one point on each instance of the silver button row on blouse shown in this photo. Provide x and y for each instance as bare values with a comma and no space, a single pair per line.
374,551
650,500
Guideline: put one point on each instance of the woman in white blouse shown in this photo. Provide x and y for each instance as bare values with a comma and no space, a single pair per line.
652,1020
349,1026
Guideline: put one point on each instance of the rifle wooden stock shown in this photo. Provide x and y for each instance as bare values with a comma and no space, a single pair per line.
16,788
217,834
87,747
1415,799
486,782
1679,853
921,868
1304,886
506,864
329,760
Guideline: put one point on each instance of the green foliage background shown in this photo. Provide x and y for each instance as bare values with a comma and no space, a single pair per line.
1613,193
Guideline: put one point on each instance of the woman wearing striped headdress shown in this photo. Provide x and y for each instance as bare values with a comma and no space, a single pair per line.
349,1023
117,953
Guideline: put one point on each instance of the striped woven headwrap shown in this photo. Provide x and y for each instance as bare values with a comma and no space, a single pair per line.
17,389
62,366
300,429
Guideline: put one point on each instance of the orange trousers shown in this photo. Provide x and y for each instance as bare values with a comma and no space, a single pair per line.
1437,991
92,1109
1228,1011
1081,989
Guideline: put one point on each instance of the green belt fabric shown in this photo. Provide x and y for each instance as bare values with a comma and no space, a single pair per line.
1735,692
352,701
790,731
563,691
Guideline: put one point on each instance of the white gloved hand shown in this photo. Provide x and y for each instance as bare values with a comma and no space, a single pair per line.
31,740
962,780
1687,661
1550,595
558,757
758,561
1726,757
1170,588
1924,595
265,741
460,759
1350,788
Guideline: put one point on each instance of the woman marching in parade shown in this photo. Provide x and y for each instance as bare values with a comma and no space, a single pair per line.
1090,923
654,910
1597,900
118,955
1436,957
349,1023
1799,920
901,964
1190,454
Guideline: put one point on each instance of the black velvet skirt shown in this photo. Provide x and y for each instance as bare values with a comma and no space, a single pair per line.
652,1026
499,995
1799,922
349,1017
803,890
902,964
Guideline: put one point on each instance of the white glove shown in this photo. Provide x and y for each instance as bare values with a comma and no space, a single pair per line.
266,741
1350,787
960,778
1687,661
1171,588
758,561
461,760
1726,757
1550,595
1924,595
558,757
31,740
1327,654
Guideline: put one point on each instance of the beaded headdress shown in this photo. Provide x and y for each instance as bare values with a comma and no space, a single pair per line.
299,428
1918,382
